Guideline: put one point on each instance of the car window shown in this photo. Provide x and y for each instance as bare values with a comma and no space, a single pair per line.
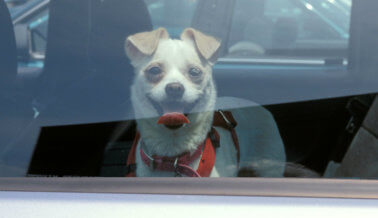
256,88
288,28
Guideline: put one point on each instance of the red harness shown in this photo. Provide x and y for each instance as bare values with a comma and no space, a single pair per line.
180,164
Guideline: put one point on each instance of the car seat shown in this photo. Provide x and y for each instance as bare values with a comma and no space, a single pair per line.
8,55
87,75
8,71
15,112
360,159
86,81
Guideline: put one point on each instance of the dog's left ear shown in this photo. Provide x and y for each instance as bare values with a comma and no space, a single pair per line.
207,46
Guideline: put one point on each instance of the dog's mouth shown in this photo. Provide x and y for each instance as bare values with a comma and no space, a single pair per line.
173,114
173,120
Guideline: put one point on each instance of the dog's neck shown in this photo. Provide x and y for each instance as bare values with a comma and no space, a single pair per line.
162,141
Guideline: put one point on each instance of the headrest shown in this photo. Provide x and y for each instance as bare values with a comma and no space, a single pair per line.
92,32
112,21
285,32
86,72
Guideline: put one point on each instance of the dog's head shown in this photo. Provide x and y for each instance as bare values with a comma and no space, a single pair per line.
173,77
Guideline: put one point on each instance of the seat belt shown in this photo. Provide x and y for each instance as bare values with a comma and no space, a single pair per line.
357,107
360,161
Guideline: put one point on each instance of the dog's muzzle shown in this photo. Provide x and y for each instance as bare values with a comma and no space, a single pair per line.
173,114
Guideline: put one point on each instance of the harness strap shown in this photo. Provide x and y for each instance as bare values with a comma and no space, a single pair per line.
207,160
224,119
131,157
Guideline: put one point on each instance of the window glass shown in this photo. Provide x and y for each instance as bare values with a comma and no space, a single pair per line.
289,28
255,88
162,12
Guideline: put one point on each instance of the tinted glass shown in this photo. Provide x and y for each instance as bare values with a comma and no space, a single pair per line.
256,88
289,28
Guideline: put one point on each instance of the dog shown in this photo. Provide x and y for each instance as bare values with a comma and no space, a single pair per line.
174,97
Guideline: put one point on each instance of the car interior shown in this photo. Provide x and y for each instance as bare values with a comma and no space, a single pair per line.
71,121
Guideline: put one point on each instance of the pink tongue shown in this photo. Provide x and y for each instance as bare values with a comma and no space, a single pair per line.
173,119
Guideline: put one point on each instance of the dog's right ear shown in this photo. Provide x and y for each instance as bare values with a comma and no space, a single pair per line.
145,43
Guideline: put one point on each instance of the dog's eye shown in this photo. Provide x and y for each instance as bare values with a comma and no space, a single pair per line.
195,72
154,71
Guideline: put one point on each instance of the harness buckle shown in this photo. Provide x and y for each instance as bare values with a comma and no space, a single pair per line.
177,173
152,164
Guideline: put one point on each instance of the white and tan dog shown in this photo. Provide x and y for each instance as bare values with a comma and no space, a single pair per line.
175,77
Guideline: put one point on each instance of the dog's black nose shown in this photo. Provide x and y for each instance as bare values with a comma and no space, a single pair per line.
174,90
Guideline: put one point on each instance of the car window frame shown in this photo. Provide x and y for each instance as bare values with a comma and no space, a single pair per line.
271,187
332,188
